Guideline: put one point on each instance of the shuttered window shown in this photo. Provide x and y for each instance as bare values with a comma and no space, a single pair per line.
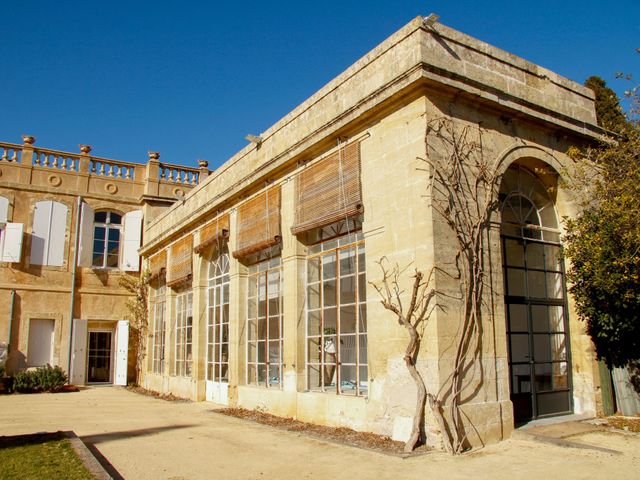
158,265
329,190
180,266
259,223
48,233
4,210
212,232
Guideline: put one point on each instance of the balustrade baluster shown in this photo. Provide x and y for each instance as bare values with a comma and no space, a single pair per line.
4,154
170,175
64,163
46,160
14,157
101,172
128,173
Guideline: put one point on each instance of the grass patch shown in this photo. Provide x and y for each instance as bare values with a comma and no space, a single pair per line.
40,456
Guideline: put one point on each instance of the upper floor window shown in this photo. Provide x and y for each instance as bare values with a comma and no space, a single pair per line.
10,235
183,330
48,234
106,239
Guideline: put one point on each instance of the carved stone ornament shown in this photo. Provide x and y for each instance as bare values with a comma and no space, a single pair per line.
28,139
85,149
111,188
54,180
203,163
154,155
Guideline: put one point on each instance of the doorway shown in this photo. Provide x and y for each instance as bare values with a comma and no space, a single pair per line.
535,300
99,360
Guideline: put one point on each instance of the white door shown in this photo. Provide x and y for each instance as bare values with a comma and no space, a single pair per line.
122,352
40,350
217,379
79,353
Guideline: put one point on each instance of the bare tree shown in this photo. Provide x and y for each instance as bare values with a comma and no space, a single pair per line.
413,318
463,186
139,312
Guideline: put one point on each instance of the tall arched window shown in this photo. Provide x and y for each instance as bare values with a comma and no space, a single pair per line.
106,239
536,311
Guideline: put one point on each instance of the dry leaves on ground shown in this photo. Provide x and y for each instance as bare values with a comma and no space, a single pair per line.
342,435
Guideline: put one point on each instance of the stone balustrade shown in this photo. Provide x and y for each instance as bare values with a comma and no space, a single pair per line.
178,174
10,152
90,173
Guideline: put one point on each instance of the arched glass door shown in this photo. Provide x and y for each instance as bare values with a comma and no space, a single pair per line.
535,301
217,384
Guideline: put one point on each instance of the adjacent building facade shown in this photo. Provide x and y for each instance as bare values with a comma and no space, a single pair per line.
71,226
262,292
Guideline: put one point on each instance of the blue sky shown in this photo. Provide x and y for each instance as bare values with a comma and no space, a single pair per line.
190,79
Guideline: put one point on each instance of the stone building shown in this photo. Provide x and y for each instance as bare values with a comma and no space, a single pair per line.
260,292
59,210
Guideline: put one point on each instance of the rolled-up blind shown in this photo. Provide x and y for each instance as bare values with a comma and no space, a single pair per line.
329,190
180,266
258,223
212,232
158,265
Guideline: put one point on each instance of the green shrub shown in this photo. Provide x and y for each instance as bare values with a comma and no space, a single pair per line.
43,379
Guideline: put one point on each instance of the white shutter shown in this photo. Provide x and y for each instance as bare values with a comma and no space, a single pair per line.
48,233
40,233
130,260
12,242
122,352
79,355
57,234
85,249
4,210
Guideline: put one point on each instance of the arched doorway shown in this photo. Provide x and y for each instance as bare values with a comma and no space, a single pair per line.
535,299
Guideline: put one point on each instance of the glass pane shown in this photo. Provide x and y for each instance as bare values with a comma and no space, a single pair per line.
329,266
313,323
540,318
330,348
330,374
363,349
553,258
100,217
114,234
514,253
313,350
361,264
99,233
274,375
115,218
542,348
330,325
364,380
518,318
251,375
555,402
262,374
362,288
262,328
362,317
274,327
112,261
329,292
347,262
348,319
253,287
347,289
348,383
313,377
251,352
515,282
559,373
555,287
558,347
313,296
348,349
519,347
520,378
313,270
556,319
536,284
535,255
543,377
274,306
251,308
274,352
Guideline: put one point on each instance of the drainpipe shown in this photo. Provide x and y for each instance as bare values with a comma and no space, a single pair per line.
12,302
74,269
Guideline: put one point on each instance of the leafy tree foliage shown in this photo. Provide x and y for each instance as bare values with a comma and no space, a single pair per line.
608,109
603,242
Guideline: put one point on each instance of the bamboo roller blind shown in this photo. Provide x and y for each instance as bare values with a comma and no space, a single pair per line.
180,268
329,190
212,232
158,264
258,223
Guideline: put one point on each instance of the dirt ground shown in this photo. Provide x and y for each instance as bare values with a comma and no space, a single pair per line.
148,438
